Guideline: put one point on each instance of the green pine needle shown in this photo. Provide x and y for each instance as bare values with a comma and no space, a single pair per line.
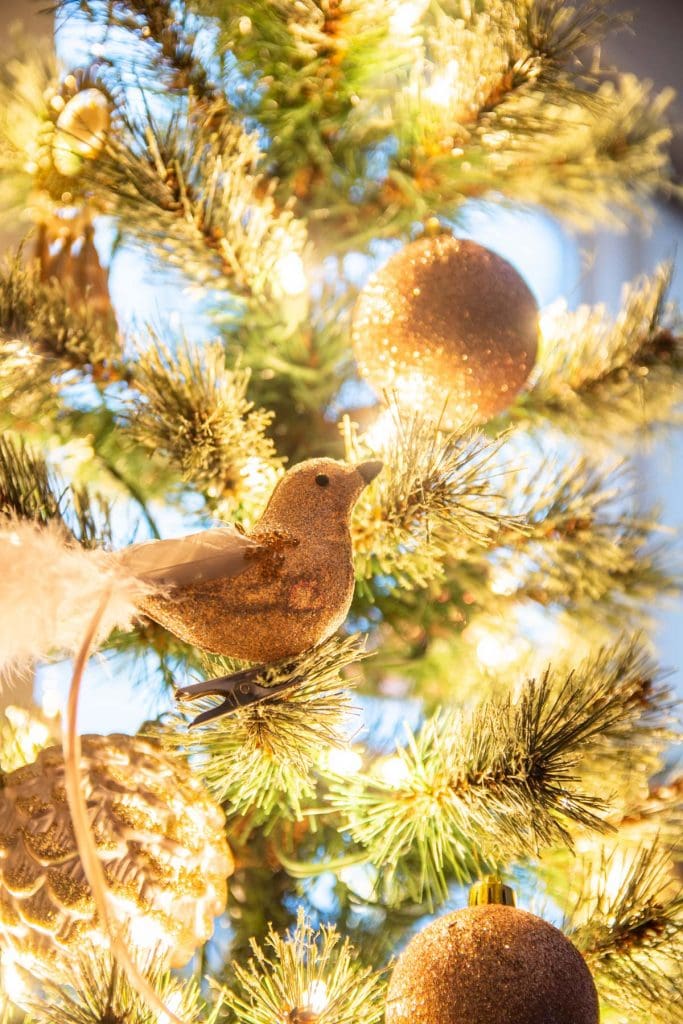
189,189
628,923
192,409
168,48
622,373
262,758
504,781
100,993
43,335
29,489
585,547
307,977
433,499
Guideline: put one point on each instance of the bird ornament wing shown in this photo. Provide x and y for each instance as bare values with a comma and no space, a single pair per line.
207,555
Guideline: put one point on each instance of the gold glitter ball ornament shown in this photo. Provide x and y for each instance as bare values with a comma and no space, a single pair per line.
491,964
159,835
449,323
81,130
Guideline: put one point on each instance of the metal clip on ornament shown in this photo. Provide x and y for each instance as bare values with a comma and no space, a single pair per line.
240,689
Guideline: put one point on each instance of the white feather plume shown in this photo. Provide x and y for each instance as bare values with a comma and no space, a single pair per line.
50,589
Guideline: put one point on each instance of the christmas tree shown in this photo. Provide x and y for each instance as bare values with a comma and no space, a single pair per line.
359,529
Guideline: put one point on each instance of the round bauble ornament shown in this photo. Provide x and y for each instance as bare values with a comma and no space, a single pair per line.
160,838
491,964
447,325
81,130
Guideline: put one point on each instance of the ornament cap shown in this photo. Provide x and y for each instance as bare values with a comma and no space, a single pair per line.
492,889
433,228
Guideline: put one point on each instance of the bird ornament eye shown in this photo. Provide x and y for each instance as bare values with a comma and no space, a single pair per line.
322,479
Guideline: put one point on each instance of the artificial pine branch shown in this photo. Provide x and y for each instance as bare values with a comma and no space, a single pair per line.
29,489
189,188
628,923
622,151
566,536
327,112
537,151
44,335
493,101
558,32
623,373
261,758
314,63
433,499
584,546
579,546
100,993
307,977
193,410
509,54
301,365
503,781
163,27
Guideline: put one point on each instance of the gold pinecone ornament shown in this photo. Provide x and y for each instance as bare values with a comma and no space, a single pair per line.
491,964
81,131
159,835
447,324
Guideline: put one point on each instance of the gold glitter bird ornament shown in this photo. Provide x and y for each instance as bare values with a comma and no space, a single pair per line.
159,835
273,592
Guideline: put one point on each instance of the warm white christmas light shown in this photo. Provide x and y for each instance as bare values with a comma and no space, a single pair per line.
406,17
12,979
343,762
442,90
291,274
382,433
174,1002
361,879
34,734
315,998
393,771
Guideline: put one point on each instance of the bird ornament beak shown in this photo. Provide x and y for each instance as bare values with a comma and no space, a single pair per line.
370,469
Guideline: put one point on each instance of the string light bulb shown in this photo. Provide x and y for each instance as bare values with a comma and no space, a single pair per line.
441,91
315,998
406,17
381,434
290,274
343,762
393,771
13,979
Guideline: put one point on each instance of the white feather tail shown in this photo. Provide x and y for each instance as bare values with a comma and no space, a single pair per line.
49,590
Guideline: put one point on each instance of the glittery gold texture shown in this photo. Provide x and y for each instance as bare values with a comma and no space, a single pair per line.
447,319
296,586
82,129
159,834
491,965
